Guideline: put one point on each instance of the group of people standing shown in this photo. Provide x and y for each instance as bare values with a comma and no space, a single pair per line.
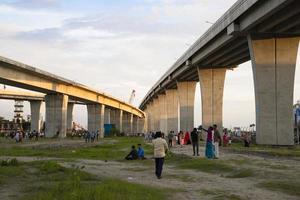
213,140
91,136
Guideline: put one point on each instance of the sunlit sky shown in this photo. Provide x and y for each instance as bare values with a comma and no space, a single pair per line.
116,46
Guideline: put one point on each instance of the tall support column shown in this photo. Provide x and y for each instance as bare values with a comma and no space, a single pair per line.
150,118
141,126
156,115
273,64
131,123
96,118
134,124
119,124
127,122
212,87
162,110
101,130
186,93
56,115
172,110
35,108
70,117
107,116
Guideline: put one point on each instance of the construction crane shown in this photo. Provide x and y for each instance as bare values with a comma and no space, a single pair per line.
131,97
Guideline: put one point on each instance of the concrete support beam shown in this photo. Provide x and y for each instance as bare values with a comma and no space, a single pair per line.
96,118
134,124
116,118
141,126
56,115
150,118
119,125
212,87
172,110
35,109
107,116
186,94
162,113
156,115
127,123
70,116
273,64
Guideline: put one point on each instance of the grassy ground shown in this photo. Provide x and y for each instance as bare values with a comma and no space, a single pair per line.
293,151
43,180
221,167
47,180
112,149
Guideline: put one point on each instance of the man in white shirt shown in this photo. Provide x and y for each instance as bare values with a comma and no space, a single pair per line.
160,148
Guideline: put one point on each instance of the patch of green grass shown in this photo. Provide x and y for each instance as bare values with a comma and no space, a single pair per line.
201,164
48,180
107,189
113,149
289,187
293,151
205,165
241,173
220,195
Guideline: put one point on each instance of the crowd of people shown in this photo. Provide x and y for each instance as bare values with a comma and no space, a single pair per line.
20,135
91,136
161,144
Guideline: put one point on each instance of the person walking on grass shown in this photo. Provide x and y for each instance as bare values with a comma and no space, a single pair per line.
160,149
195,141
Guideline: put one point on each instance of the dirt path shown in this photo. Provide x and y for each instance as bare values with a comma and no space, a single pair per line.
190,183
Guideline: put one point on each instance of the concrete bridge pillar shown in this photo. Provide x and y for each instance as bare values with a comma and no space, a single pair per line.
119,124
141,126
150,120
186,94
35,109
96,118
162,113
212,87
127,123
107,116
70,116
156,114
56,115
273,64
135,124
172,110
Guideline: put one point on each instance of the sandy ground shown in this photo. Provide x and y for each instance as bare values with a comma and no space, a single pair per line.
190,183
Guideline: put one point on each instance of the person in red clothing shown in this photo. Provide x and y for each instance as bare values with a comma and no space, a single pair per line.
225,138
187,138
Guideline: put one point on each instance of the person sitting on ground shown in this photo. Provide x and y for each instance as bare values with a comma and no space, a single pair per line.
133,155
140,152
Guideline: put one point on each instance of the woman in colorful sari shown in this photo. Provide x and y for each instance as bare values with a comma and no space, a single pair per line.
209,150
187,138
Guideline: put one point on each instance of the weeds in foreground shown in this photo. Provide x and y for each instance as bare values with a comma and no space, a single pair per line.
291,187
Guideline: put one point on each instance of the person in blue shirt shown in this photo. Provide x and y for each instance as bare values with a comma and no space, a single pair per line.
140,152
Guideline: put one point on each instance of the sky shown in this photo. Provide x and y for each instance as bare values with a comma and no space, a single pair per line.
116,46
